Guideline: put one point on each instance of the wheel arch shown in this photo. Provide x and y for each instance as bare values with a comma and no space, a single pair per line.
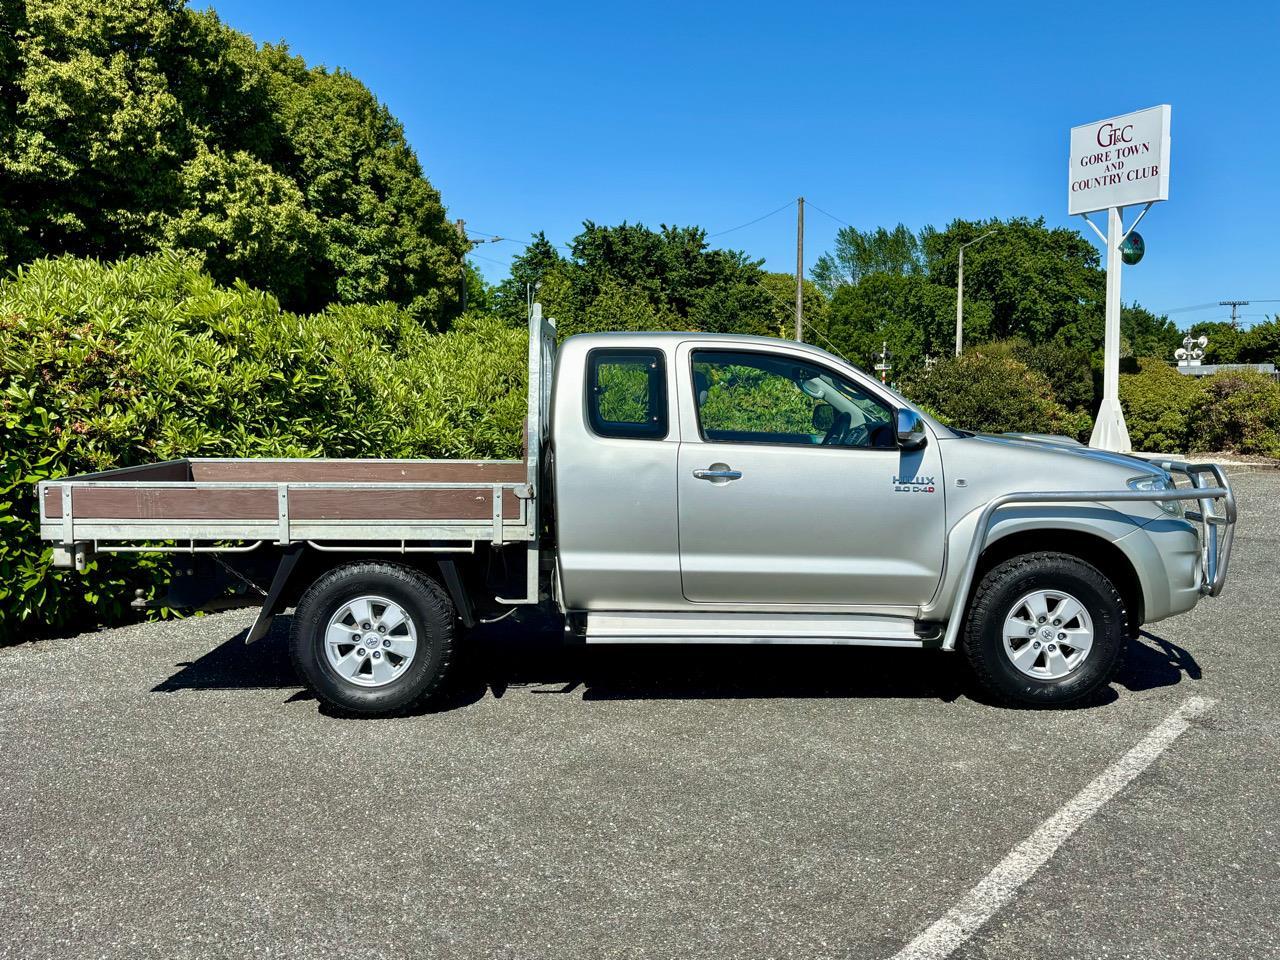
1098,551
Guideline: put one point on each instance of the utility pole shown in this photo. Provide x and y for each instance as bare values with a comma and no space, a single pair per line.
960,304
800,270
960,292
1233,304
461,226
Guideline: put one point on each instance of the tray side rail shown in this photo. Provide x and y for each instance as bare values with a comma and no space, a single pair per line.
216,516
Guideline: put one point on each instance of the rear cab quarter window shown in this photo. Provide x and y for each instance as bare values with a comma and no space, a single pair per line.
627,393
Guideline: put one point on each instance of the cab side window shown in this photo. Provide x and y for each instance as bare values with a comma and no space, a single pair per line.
747,397
627,393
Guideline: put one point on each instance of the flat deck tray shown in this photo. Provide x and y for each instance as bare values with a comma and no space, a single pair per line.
315,490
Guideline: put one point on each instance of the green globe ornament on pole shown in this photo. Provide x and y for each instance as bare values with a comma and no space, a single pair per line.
1133,248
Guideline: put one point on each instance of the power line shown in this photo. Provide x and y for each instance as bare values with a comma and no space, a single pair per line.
1215,303
718,233
478,256
1198,306
496,238
831,215
721,233
790,307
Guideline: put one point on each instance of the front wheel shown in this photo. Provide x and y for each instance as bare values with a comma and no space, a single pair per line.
373,639
1045,630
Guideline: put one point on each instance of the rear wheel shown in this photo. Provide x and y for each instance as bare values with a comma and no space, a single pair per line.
1045,629
373,638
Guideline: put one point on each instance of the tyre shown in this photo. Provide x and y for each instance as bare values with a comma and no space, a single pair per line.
373,639
1045,630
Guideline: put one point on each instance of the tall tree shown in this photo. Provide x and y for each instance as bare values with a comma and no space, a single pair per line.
1039,282
1262,342
1145,334
538,261
632,277
132,125
908,314
1025,280
860,253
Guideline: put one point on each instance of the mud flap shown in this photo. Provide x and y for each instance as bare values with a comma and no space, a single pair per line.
275,596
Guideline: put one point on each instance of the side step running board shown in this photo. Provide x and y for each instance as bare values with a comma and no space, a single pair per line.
752,628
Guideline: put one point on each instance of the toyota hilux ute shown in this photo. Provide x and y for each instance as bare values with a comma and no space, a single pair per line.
681,488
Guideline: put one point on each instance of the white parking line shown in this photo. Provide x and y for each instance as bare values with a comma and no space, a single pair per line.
994,891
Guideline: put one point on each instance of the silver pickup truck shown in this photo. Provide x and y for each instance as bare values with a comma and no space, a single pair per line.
682,488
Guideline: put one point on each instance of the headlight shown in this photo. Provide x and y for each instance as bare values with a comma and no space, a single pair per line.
1151,482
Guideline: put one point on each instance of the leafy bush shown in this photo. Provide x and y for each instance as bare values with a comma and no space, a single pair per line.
1158,404
1236,411
1239,411
105,366
1069,371
990,392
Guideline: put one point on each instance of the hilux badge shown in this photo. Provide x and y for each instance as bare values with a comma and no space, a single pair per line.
913,485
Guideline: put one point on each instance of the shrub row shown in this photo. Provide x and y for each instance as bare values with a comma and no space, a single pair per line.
109,365
1008,387
1237,411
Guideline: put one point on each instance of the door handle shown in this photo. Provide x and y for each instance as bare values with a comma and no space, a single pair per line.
718,473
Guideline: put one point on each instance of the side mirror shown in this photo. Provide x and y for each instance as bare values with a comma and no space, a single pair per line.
911,432
824,415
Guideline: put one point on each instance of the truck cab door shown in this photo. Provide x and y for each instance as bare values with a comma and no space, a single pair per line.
792,489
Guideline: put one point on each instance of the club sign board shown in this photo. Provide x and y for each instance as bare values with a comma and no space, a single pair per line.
1120,161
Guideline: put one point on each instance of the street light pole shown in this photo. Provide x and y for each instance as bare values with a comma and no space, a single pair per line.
960,292
800,270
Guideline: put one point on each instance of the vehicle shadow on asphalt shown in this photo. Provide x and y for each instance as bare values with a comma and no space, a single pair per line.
531,655
1153,661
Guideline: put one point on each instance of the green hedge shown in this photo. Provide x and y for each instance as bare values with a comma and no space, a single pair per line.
1159,405
1240,411
1236,411
104,366
996,388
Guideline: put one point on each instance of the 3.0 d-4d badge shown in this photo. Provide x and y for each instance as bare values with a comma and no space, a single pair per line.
913,485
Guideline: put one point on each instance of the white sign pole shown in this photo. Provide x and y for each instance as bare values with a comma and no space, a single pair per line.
1109,431
1113,164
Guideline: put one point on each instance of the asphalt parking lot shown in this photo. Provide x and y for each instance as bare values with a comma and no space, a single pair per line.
167,792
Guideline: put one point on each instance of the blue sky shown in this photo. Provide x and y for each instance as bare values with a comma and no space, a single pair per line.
538,116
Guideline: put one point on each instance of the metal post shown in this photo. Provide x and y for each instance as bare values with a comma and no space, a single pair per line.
461,227
1109,431
960,291
800,270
